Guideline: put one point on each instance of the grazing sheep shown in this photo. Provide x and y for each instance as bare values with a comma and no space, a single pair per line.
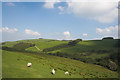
53,71
66,73
29,64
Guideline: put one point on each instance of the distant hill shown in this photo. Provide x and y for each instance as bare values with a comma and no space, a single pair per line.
40,43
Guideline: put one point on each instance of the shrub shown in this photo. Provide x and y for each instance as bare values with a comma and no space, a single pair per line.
107,38
55,47
74,42
7,48
13,49
23,46
3,43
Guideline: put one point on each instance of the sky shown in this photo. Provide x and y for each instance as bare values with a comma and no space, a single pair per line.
59,20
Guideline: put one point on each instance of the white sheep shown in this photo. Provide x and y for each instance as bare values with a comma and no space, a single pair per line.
53,71
29,64
66,73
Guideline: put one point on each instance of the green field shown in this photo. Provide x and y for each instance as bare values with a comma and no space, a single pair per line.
14,65
89,59
40,43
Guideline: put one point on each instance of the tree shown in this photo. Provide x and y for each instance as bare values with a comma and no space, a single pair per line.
74,42
107,38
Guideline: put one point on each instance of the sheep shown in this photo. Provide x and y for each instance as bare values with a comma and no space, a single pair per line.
53,71
29,64
66,73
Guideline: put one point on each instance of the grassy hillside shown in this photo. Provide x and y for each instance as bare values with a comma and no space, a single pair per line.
40,43
82,46
100,52
92,46
14,65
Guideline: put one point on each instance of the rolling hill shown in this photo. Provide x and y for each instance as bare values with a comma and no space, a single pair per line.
89,59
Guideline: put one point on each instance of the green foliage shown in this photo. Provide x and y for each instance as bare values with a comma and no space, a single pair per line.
61,46
3,43
107,38
74,42
20,50
78,40
96,52
23,45
94,58
64,45
8,48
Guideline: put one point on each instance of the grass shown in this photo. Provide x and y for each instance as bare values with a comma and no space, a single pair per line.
80,47
86,46
99,52
14,65
40,43
91,51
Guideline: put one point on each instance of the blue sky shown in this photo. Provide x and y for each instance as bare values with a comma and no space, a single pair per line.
58,20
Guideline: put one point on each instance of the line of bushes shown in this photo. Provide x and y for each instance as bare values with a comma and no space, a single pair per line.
109,62
107,38
23,46
56,47
65,45
18,50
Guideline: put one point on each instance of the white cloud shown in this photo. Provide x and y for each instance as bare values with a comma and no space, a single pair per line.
85,34
61,8
109,31
67,35
107,18
10,4
92,1
50,4
104,12
6,29
30,32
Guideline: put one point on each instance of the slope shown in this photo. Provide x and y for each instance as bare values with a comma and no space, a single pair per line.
14,66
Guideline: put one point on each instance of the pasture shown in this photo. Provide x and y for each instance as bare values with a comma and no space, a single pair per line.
15,66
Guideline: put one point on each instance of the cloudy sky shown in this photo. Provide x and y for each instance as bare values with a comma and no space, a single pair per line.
59,20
